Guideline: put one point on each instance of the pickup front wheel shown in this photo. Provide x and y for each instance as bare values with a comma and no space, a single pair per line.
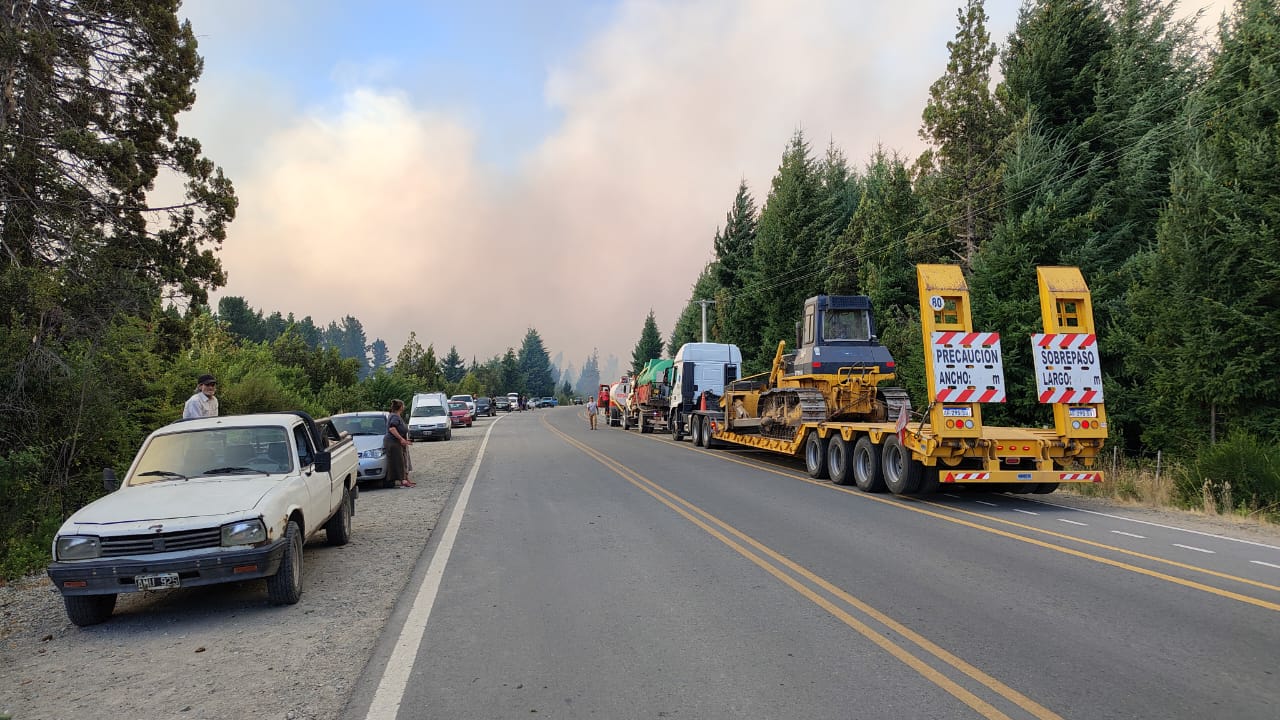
86,610
285,587
338,529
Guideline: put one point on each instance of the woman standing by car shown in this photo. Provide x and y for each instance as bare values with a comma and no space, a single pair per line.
396,445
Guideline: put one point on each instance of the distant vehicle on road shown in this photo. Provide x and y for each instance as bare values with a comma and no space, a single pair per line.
470,401
484,406
502,403
548,402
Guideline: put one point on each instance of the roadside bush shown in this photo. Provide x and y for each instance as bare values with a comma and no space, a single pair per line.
1242,475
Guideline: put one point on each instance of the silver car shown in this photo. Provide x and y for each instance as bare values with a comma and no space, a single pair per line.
367,429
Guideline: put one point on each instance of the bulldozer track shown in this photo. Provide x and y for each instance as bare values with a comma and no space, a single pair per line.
789,408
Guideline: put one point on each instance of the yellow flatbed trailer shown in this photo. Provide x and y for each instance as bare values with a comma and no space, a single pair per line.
948,443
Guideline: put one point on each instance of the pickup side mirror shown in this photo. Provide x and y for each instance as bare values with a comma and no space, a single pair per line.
109,482
323,461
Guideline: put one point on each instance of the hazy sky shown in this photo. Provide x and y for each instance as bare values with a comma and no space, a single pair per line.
469,170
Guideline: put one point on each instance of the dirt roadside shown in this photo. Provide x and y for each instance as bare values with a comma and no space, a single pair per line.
222,652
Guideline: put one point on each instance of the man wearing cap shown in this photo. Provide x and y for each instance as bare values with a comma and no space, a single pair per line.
203,403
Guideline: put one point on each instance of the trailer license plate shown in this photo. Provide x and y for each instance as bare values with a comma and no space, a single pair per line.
965,411
157,581
1082,412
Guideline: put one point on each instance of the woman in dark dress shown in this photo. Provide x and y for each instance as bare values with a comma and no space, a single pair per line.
395,444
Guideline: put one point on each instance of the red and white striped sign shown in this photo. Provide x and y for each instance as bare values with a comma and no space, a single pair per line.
1080,477
966,476
1067,368
967,367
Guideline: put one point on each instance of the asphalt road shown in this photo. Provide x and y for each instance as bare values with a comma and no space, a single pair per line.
616,575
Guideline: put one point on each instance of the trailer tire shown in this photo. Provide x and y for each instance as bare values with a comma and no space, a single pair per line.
675,426
902,473
839,460
815,456
1045,488
868,472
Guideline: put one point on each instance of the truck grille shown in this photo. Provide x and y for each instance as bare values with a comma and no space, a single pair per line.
162,542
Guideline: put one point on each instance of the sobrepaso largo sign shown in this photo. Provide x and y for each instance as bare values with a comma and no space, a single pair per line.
967,367
1067,368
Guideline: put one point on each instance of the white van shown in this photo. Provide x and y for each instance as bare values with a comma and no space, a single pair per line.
429,417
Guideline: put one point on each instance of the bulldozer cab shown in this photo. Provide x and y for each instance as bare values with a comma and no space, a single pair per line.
837,331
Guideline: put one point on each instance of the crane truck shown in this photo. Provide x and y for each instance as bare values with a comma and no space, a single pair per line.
831,401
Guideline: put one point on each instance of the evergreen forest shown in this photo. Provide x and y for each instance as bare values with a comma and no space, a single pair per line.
1104,134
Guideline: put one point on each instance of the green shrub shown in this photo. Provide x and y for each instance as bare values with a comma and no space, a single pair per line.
1243,473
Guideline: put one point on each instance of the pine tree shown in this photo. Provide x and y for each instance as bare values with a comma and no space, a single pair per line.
535,366
589,380
512,380
453,367
786,266
379,351
648,347
1210,297
964,127
240,319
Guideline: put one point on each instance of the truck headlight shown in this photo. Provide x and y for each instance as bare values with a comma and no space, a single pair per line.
244,532
79,547
372,454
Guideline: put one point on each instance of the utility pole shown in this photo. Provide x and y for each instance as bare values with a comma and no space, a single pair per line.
704,304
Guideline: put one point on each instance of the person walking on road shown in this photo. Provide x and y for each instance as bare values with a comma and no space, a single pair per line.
203,403
591,412
396,445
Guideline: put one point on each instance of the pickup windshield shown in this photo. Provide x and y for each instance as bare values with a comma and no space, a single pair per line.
214,452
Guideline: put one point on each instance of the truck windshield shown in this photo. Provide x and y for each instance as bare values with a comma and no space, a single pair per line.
846,325
228,450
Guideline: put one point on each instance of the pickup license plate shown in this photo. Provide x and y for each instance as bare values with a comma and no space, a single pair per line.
1082,412
158,581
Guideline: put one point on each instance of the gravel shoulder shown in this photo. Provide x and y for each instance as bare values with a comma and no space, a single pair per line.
221,651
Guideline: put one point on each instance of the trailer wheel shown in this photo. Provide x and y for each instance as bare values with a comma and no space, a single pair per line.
815,456
868,473
1045,488
902,473
839,461
674,425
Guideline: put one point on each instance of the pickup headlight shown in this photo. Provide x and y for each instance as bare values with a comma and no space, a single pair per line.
79,547
372,454
245,532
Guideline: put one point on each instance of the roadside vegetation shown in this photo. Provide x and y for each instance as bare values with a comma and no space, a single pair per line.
1113,141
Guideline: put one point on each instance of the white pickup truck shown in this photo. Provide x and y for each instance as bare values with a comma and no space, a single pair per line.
209,501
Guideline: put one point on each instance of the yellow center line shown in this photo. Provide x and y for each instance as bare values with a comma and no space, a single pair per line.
706,521
906,505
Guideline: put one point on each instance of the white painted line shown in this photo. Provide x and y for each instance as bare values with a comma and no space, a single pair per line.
395,677
984,502
1025,512
1121,532
1153,524
1073,522
1192,547
951,495
1265,564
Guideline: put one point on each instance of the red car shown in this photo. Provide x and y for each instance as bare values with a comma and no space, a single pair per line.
459,414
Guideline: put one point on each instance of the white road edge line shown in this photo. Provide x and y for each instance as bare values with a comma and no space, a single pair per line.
1154,524
1270,565
1128,534
1072,522
395,677
1192,547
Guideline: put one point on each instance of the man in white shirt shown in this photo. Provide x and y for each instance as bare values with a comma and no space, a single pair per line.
591,412
203,403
